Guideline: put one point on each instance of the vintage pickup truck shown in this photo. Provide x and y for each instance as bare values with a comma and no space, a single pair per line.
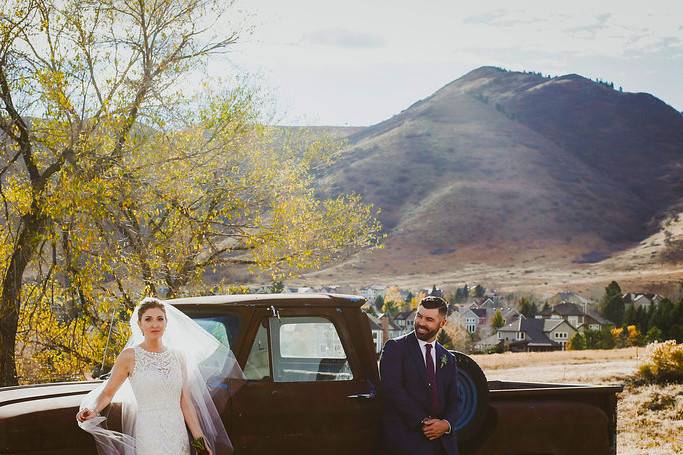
313,388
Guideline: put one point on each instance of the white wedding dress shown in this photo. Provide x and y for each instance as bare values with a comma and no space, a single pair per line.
157,381
152,421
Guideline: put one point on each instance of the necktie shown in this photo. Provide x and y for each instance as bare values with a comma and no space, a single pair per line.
431,380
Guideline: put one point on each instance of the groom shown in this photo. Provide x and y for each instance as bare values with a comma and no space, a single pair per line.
419,387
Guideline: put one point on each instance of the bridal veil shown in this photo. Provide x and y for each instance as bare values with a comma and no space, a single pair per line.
212,375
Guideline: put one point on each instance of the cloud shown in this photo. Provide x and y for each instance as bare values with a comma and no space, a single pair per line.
502,18
670,47
488,18
338,37
590,30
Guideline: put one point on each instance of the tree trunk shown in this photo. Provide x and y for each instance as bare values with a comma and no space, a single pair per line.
10,301
8,335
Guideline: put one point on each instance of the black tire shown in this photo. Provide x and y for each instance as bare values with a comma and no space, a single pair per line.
473,403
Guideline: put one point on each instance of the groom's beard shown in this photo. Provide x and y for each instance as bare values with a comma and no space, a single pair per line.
424,334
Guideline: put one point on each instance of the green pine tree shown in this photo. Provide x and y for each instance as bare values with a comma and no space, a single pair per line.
379,302
612,304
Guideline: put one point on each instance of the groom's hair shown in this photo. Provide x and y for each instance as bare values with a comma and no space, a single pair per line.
432,302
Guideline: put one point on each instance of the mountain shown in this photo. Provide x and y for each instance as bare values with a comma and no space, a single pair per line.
501,167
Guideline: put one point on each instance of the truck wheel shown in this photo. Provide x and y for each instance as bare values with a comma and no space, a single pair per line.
473,405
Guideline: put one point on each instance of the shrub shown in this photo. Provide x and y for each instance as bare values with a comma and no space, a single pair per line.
664,363
658,402
577,342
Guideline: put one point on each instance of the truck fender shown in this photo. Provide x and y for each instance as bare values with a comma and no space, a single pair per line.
473,398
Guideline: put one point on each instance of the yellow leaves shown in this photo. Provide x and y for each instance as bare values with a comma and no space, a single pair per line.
57,339
664,362
18,194
393,294
53,83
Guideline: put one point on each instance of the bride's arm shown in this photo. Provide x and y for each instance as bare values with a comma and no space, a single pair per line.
188,407
191,419
190,414
122,368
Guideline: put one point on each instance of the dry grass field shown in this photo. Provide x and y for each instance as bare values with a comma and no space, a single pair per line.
650,418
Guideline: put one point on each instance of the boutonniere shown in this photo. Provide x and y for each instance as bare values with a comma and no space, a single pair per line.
444,360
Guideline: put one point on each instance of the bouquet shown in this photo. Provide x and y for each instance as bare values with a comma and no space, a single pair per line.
199,446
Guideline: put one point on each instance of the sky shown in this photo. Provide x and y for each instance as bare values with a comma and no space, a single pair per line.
358,62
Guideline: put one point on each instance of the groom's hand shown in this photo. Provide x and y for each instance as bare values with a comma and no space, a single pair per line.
434,428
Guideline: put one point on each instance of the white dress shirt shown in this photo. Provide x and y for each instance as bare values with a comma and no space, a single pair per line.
424,357
424,352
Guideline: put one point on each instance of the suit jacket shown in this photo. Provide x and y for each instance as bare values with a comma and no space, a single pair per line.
406,398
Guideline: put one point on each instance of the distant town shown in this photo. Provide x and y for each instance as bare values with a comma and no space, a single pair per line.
481,321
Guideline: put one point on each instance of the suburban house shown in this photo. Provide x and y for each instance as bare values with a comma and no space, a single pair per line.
642,300
482,314
536,334
509,315
404,321
436,292
491,302
382,329
377,332
571,297
371,292
579,316
467,318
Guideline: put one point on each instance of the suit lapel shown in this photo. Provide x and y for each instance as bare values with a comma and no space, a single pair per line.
440,377
416,352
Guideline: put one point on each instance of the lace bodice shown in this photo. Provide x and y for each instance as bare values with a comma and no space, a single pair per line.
157,381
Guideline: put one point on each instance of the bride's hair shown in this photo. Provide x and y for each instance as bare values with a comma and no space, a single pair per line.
150,302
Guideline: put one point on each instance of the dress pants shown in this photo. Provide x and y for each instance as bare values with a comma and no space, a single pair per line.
439,450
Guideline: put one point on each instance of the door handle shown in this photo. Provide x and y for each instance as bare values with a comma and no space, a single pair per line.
361,396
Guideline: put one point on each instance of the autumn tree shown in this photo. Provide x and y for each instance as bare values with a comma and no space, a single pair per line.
393,296
498,321
115,184
415,299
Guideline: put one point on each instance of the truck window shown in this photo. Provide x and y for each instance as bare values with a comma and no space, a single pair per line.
307,349
258,367
224,328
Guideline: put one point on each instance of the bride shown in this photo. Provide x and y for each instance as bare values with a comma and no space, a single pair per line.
160,379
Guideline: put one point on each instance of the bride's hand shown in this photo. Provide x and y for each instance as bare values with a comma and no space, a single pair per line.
85,414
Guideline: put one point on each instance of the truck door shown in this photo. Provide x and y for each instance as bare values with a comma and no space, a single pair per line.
306,391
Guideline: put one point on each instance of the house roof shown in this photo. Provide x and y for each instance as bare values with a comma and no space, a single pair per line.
374,322
534,329
392,325
509,313
467,311
599,319
630,297
567,296
568,309
480,312
551,324
403,315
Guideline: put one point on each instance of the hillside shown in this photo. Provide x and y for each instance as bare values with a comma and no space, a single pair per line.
501,168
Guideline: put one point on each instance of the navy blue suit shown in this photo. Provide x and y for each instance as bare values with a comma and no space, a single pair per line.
406,398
